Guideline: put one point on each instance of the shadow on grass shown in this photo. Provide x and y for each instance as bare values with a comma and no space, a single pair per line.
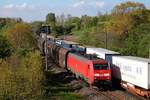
56,86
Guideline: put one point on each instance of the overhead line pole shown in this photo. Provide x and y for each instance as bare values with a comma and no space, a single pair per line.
46,49
106,40
46,56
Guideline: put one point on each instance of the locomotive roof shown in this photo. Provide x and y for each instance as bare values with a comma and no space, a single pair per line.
87,57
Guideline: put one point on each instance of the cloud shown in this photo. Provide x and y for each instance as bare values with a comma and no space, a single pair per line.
30,12
19,6
100,4
93,3
23,10
9,6
80,3
22,6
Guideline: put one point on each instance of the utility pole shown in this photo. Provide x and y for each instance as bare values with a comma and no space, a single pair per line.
46,57
106,38
45,47
149,53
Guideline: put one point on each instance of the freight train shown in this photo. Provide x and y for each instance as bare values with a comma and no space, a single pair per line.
86,67
132,73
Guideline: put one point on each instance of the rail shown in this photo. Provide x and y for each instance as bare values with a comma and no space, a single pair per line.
109,95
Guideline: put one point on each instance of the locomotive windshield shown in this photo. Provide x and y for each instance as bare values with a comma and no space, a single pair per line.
101,66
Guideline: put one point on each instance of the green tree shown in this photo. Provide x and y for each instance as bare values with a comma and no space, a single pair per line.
140,17
86,22
21,36
124,17
73,22
137,42
50,19
21,77
128,7
36,26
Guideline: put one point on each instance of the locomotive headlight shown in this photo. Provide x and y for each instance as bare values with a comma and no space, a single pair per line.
96,75
106,74
100,75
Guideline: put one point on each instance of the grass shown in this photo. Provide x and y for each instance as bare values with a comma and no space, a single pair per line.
57,88
67,96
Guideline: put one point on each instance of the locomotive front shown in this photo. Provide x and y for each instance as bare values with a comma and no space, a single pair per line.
102,70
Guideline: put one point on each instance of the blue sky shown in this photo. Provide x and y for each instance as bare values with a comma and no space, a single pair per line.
31,10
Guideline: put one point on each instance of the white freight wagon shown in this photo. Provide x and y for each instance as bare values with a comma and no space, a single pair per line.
102,53
134,71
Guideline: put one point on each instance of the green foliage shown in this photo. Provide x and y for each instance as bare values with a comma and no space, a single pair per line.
22,51
74,22
21,77
50,19
140,17
58,30
68,29
8,22
128,7
36,26
137,43
127,29
21,36
61,30
87,22
83,36
5,47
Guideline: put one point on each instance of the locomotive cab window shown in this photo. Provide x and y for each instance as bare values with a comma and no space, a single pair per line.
101,66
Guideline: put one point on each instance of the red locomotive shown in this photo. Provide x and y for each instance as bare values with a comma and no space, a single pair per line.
90,69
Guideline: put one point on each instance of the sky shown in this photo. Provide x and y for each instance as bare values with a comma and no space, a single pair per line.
31,10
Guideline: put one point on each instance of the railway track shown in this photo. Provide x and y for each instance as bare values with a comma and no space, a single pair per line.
121,95
109,94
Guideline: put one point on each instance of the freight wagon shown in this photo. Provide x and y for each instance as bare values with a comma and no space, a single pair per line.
134,73
72,45
58,55
102,53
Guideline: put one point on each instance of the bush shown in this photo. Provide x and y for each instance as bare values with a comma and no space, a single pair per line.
21,77
21,36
